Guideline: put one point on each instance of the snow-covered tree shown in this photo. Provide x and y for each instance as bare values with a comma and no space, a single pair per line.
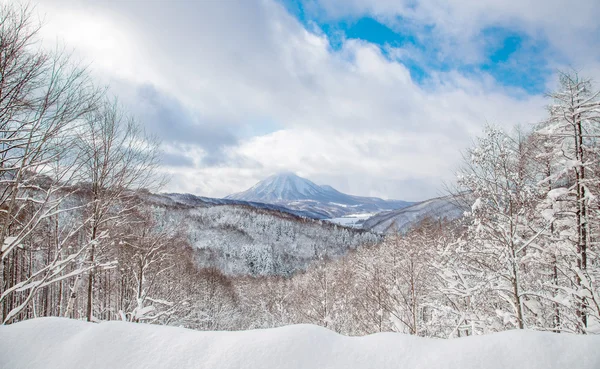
501,234
571,136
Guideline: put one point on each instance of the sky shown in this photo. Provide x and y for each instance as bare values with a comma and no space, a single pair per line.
373,97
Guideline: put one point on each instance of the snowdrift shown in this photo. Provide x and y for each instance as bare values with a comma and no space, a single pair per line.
62,343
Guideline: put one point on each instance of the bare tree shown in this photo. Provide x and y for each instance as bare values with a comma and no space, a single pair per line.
149,251
43,95
117,159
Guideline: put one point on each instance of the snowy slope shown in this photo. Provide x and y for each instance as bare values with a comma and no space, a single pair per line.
402,219
283,187
241,239
294,192
352,220
193,200
59,343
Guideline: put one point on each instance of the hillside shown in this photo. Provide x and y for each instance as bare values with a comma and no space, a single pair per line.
241,239
402,219
202,201
294,192
58,343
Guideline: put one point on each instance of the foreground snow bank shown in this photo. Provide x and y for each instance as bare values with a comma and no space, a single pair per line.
62,343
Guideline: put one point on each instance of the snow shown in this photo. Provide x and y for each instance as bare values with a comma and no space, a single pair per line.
346,222
476,205
351,220
557,192
53,343
8,241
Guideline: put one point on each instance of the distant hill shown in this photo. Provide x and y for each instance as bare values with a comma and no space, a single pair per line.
193,200
401,220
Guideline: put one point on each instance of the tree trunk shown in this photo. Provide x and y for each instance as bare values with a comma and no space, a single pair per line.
581,218
90,289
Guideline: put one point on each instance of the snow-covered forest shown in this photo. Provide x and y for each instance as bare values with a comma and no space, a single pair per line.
83,234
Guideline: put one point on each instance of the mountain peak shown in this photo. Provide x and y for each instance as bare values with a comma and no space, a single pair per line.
283,176
288,189
283,186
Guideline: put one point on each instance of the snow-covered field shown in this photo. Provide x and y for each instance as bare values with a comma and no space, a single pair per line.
351,220
60,343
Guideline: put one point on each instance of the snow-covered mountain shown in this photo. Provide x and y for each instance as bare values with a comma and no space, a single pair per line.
294,192
447,207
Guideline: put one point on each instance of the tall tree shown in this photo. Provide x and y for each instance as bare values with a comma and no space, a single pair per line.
501,232
43,95
117,159
574,129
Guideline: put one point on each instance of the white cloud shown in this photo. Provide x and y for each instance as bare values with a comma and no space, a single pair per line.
570,27
350,118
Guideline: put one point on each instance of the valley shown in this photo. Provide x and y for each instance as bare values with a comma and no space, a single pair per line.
239,238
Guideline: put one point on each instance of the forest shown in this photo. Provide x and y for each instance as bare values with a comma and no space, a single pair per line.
82,235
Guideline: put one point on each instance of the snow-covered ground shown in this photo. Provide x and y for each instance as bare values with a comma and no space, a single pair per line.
352,220
63,344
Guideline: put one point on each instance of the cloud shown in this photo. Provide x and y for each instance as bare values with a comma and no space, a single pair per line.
243,89
176,160
178,127
455,27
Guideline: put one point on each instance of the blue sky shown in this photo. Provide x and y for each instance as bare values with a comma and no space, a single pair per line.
372,97
510,56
